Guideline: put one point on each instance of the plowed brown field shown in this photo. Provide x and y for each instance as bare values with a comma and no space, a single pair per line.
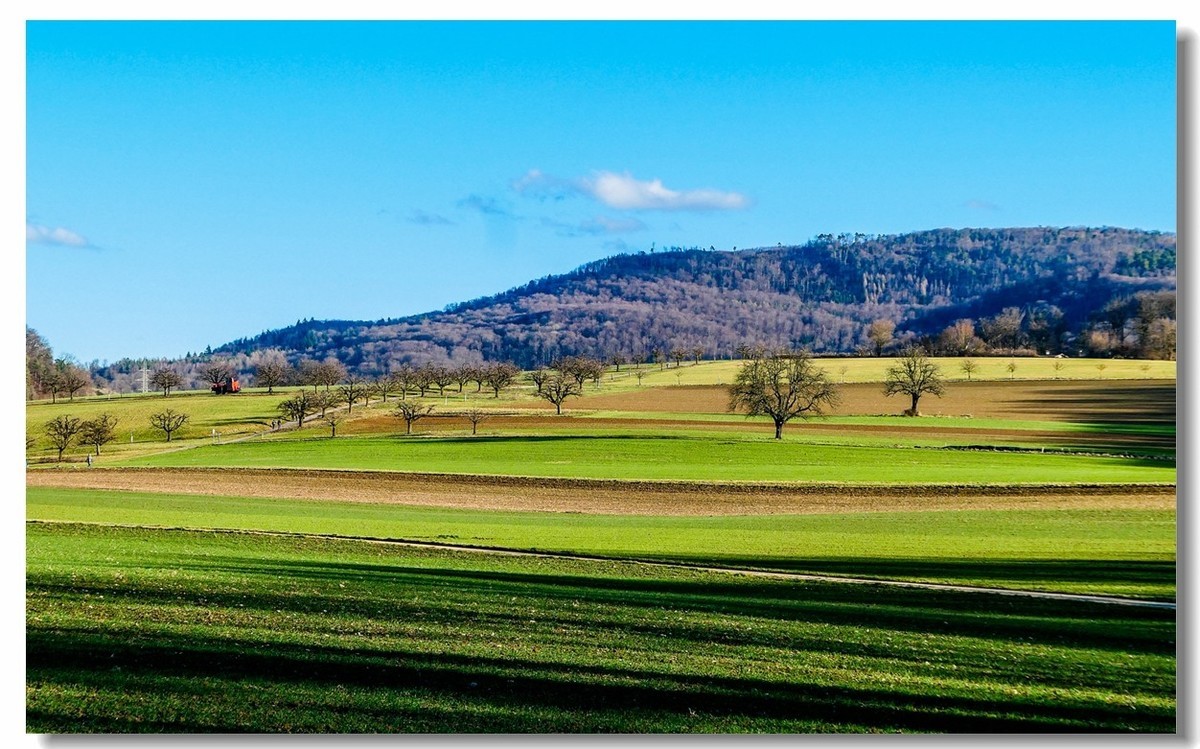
598,496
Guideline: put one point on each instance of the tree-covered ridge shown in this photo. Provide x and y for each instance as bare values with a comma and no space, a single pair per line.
1096,291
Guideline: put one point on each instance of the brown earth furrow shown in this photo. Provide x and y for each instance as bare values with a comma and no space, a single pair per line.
599,496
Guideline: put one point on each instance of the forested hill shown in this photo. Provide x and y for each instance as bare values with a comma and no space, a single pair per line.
822,295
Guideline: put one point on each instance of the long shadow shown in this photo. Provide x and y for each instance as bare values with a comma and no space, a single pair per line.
546,438
82,658
1153,404
901,610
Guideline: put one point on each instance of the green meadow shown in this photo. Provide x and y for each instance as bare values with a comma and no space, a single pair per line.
1116,552
673,457
132,631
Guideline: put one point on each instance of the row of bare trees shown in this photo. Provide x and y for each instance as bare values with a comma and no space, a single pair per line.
64,431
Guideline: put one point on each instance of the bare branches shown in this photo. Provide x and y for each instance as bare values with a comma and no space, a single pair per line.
783,386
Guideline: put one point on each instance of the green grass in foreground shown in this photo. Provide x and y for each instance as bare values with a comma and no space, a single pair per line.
1118,552
167,631
671,457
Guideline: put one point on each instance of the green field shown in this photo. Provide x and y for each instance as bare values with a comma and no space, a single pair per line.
1115,552
166,631
174,613
710,457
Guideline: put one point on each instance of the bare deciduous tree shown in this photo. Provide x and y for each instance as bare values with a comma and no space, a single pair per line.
411,412
969,367
98,431
914,375
880,334
272,373
168,421
62,431
475,416
298,406
782,385
558,387
351,391
333,418
164,379
500,375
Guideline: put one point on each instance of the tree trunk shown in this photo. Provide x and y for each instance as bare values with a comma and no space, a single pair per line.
916,397
778,429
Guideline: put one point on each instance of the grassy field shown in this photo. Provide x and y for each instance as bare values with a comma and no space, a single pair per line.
153,631
672,457
193,621
1117,552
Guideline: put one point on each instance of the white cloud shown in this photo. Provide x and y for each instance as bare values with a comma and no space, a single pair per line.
38,234
623,191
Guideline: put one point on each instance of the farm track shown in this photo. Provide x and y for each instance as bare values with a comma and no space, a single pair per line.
601,496
795,576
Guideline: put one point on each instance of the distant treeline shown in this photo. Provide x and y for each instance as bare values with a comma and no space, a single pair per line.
1081,291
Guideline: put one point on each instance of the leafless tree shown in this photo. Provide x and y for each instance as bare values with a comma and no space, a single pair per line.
475,416
463,374
272,373
558,387
325,400
330,372
351,391
164,379
98,431
72,379
880,334
216,372
782,385
617,360
697,353
168,421
914,375
62,431
679,354
411,412
969,367
539,377
500,375
333,418
298,406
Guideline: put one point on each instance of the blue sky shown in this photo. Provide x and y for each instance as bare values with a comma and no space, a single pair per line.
189,183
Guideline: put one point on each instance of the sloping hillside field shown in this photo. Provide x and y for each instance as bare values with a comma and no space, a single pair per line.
647,562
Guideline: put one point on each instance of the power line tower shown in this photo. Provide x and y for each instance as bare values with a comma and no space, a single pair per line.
145,382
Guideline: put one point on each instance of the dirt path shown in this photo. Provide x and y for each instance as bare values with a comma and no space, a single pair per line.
598,496
797,576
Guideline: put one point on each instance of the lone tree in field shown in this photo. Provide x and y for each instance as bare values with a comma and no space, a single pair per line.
411,412
914,375
98,431
784,386
558,387
298,406
168,421
969,367
62,431
165,378
333,418
72,379
475,416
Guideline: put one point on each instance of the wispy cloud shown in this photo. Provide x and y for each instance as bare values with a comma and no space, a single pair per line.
593,227
424,218
626,192
980,205
38,234
486,205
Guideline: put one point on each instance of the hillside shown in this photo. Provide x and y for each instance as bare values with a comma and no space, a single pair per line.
1057,286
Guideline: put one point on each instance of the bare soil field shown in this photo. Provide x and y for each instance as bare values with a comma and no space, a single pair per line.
598,496
1136,401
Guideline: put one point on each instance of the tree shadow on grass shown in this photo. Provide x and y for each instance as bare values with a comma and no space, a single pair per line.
557,688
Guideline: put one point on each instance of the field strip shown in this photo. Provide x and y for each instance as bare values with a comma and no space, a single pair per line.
796,576
602,496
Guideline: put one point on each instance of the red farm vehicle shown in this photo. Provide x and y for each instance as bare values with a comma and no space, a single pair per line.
227,385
